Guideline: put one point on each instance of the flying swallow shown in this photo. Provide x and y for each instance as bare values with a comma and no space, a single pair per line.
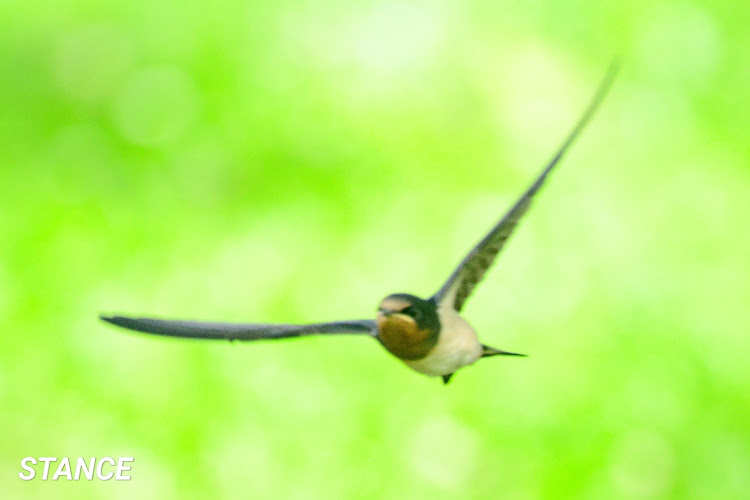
429,335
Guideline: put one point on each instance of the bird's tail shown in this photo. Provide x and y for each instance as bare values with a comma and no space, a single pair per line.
486,352
491,351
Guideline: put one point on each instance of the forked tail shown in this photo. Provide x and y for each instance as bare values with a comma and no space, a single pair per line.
486,352
491,351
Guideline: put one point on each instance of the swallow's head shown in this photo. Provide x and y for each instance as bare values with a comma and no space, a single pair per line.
408,326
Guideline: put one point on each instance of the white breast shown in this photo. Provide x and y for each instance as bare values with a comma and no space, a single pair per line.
457,346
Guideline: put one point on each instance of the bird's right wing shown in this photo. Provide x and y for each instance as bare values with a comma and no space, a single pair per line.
240,331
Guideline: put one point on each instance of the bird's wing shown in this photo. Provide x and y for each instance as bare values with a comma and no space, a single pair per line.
470,271
239,331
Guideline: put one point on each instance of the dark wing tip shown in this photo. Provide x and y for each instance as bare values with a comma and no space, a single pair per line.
124,322
162,327
115,320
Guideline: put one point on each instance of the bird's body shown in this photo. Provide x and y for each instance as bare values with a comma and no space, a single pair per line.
432,340
428,335
457,346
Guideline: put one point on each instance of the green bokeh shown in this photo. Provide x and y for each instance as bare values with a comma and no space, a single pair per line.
297,161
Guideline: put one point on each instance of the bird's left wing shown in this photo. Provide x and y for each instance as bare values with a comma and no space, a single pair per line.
240,331
471,270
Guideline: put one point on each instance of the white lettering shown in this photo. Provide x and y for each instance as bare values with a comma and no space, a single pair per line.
86,468
46,461
64,464
32,472
87,471
121,467
99,469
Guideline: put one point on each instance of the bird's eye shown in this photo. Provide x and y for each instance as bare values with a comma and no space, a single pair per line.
411,311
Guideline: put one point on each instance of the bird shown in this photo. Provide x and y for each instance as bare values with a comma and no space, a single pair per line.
429,335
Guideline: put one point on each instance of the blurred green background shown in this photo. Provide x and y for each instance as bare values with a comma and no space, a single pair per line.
296,161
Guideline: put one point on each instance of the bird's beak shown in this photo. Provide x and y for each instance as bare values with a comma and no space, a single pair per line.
386,312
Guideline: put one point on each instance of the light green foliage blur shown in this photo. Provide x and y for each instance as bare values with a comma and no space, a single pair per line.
296,161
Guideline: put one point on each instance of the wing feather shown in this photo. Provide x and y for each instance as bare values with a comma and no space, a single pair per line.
239,331
471,270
